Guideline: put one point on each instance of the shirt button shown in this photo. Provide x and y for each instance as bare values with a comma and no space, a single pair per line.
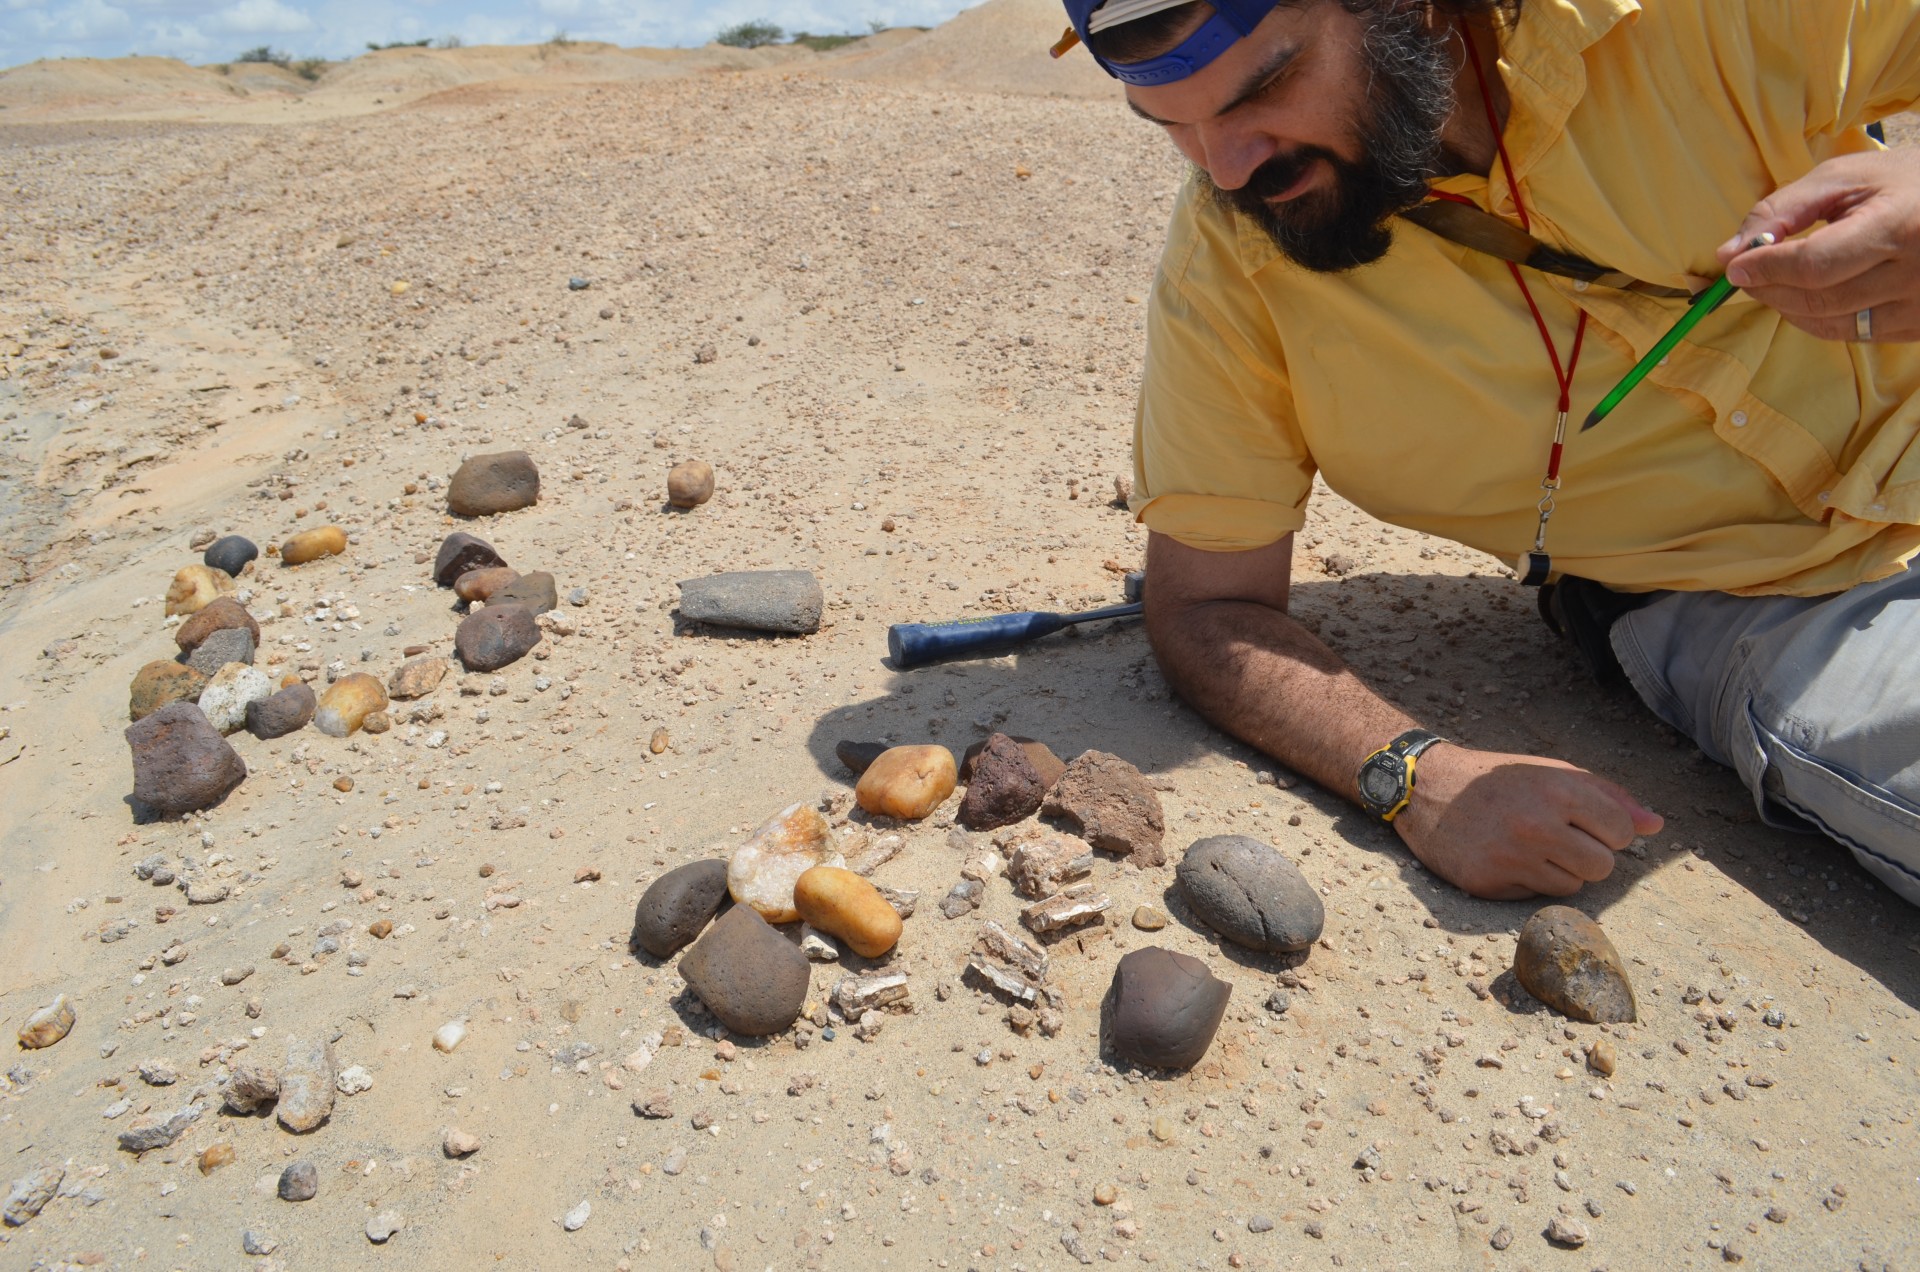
1580,284
1879,507
1663,362
1739,419
1825,495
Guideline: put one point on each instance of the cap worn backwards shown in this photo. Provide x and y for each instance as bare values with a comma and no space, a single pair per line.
1231,19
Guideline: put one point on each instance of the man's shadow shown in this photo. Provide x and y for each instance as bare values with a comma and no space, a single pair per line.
1470,658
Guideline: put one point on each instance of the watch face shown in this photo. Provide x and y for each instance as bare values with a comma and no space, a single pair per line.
1382,780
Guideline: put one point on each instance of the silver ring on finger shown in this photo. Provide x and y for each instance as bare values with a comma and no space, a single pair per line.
1863,326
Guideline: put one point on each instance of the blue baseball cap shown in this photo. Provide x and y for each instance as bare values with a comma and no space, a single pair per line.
1231,20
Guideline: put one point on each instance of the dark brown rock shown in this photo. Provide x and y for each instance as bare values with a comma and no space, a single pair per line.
1567,962
180,762
535,591
495,636
487,484
278,714
1250,894
747,974
1004,787
858,756
216,615
677,905
460,552
1048,765
1111,806
158,683
1163,1008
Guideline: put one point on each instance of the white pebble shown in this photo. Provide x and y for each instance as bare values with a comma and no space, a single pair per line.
577,1217
450,1035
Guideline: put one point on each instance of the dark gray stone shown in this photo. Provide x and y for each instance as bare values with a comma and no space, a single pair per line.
460,552
535,591
1250,894
747,974
1164,1008
759,600
180,762
278,714
217,649
674,909
1004,786
858,755
487,484
489,639
230,554
299,1182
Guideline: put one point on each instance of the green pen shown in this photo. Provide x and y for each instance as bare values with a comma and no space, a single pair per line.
1702,305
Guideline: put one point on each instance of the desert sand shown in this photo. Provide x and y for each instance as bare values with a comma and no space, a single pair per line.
893,294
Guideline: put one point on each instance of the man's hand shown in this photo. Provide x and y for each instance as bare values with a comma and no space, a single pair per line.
1509,826
1866,256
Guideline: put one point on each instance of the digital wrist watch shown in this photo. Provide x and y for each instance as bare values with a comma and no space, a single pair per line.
1386,777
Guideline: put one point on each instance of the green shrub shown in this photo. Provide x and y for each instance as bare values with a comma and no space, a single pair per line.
397,44
821,43
750,35
448,42
309,68
268,55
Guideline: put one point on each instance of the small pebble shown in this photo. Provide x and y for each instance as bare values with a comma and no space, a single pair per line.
299,1182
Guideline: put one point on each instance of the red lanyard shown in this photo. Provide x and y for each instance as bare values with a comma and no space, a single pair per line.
1539,564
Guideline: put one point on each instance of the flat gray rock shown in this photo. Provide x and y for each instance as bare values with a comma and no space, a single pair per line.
758,600
217,649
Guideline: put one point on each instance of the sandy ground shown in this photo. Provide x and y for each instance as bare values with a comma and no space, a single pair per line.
923,306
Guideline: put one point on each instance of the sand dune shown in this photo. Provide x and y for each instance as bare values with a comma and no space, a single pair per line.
998,47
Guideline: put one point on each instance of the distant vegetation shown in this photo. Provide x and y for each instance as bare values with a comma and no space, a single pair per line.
397,44
754,35
750,35
269,55
448,42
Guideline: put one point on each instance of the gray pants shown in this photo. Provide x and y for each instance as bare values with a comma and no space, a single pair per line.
1814,701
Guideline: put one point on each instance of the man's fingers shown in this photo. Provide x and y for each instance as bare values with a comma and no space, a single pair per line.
1603,815
1552,880
1896,322
1645,820
1788,211
1837,252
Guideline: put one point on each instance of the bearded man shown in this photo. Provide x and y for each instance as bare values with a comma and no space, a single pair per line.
1418,234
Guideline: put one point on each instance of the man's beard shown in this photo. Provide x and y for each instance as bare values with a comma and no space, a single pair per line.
1409,97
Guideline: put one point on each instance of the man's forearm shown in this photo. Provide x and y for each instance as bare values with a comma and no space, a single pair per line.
1256,673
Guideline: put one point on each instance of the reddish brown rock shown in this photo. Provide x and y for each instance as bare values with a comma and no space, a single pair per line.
460,552
217,614
180,762
1004,786
1048,765
1111,804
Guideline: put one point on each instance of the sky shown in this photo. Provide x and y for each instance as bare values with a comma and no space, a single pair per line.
202,31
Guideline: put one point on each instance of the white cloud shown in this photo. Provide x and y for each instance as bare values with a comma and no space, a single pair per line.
259,17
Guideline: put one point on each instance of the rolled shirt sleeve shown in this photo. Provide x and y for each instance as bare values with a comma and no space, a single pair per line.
1219,460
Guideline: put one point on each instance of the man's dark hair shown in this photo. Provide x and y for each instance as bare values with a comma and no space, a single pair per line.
1161,32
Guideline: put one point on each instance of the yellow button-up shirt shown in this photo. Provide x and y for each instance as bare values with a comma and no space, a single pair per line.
1756,459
